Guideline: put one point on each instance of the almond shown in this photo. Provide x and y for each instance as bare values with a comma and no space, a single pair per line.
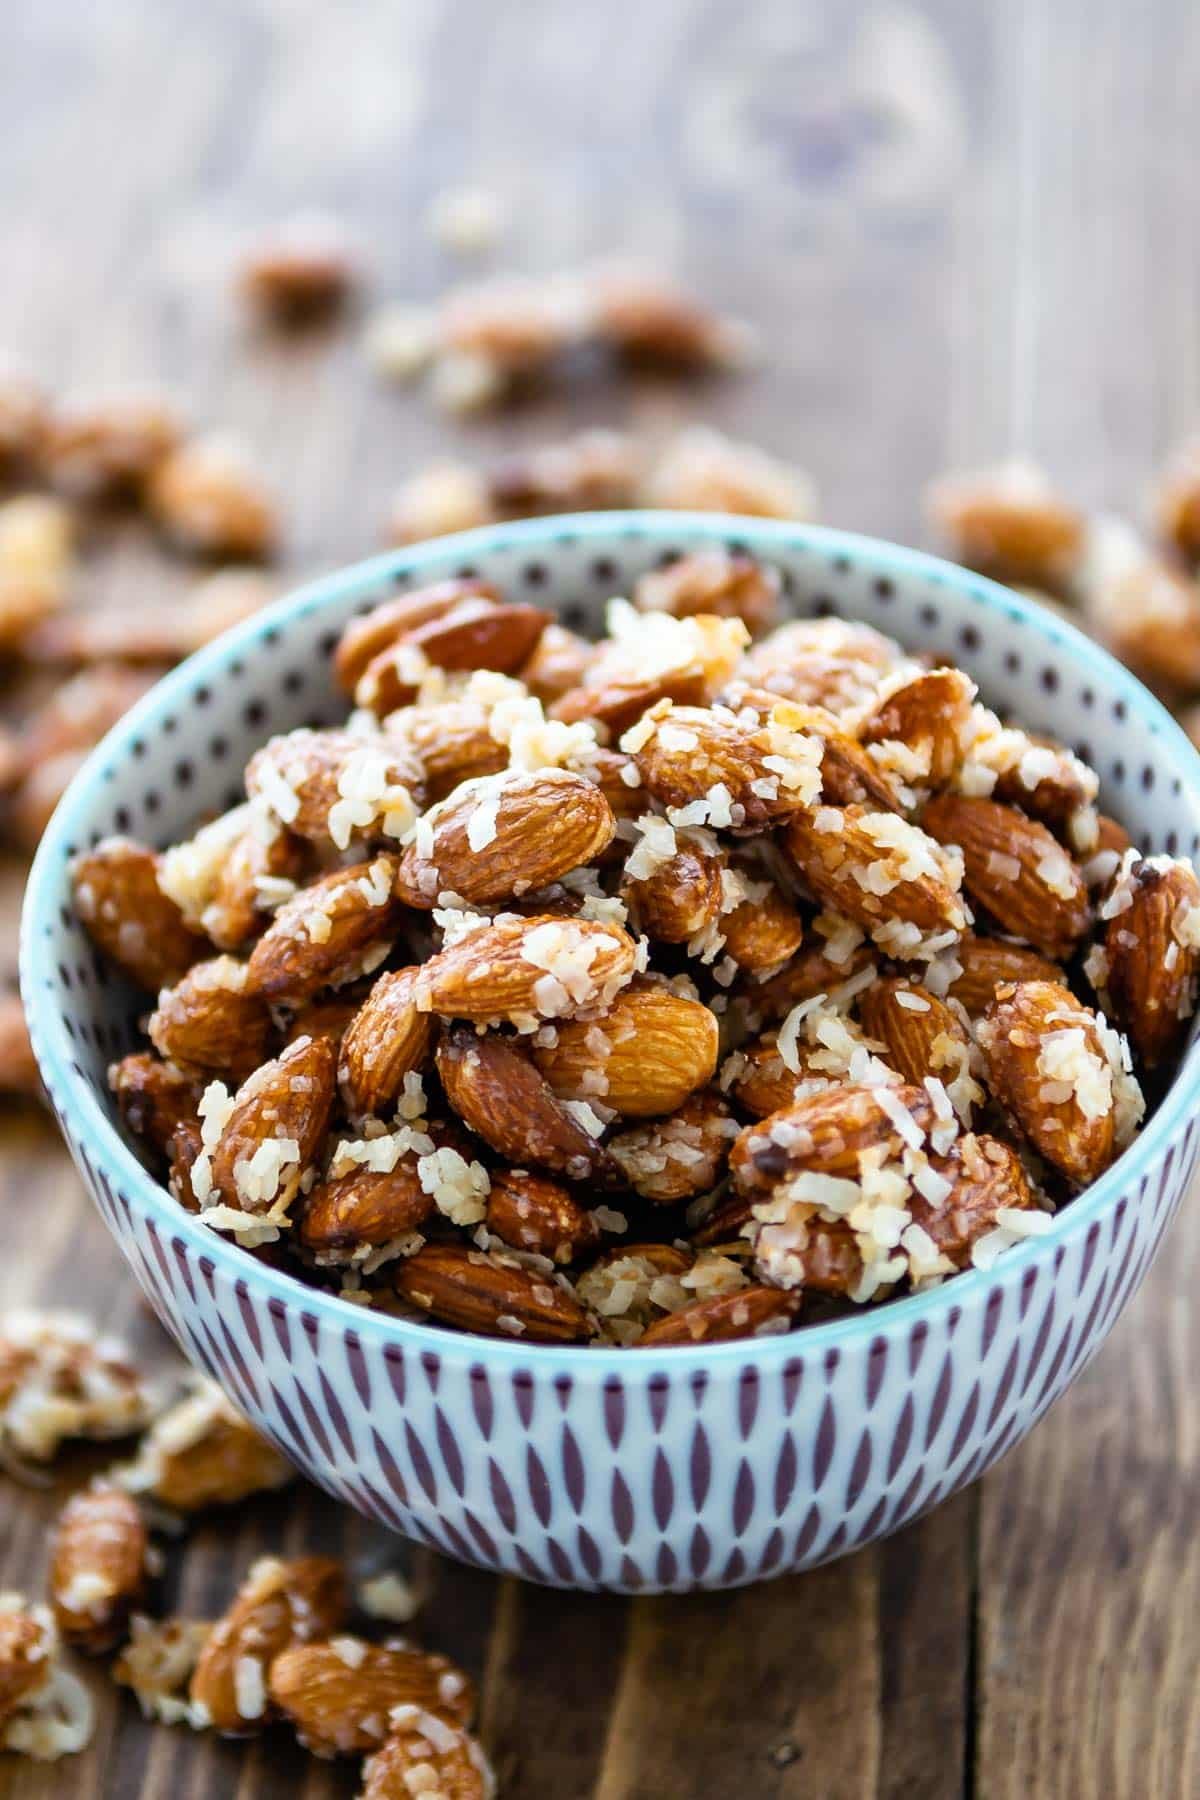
763,933
289,1098
506,835
364,1210
1051,794
849,776
749,1312
524,970
1016,869
338,1693
387,1039
987,1178
667,1160
26,1644
279,1604
821,662
826,1132
153,1097
888,876
118,898
1151,945
327,933
365,637
734,773
209,1020
490,1293
559,663
644,1056
330,1019
989,963
923,1035
821,1256
618,705
496,1090
475,634
423,1752
97,1567
758,1079
681,897
530,1212
809,973
1051,1068
201,1452
1009,523
312,781
929,715
451,742
214,877
727,583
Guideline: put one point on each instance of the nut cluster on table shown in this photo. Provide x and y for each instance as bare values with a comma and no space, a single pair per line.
299,1643
691,984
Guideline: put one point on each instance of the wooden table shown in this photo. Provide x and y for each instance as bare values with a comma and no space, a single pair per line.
963,230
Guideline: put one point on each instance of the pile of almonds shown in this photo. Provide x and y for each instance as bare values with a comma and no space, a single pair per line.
284,1651
715,976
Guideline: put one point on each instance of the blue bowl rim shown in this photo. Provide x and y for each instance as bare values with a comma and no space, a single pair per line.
68,825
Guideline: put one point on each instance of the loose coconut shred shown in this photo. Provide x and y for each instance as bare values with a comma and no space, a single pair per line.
796,979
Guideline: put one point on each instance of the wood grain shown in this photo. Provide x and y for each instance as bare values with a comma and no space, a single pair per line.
963,231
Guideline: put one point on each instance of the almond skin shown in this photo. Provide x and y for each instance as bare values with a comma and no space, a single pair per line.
1151,968
386,1040
929,716
826,1132
386,624
989,963
690,750
118,898
495,1088
367,1207
538,826
673,1159
838,853
279,1604
681,897
153,1097
338,1693
312,764
475,634
922,1034
97,1567
642,1057
459,1767
209,1020
746,1313
475,1291
1012,1033
994,837
291,1097
523,970
322,935
531,1212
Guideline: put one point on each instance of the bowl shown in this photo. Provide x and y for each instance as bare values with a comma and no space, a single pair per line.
625,1470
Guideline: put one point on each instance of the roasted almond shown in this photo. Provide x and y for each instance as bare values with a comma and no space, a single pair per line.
559,663
1151,947
490,1293
26,1645
288,1100
504,836
1016,869
533,1213
1048,782
225,878
924,1036
644,1056
421,1750
748,1312
386,1041
278,1604
526,970
451,743
97,1567
986,1179
118,898
338,1693
153,1097
334,787
849,775
1009,522
211,1020
364,1210
810,972
679,897
495,1088
328,933
762,932
827,1132
929,716
726,772
329,1018
1058,1071
475,634
821,662
758,1080
888,876
201,1452
677,1158
989,963
617,705
728,583
385,624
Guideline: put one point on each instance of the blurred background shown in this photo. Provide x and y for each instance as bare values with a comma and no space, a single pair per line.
954,234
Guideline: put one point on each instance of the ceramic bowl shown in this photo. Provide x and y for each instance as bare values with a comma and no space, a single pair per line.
595,1468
